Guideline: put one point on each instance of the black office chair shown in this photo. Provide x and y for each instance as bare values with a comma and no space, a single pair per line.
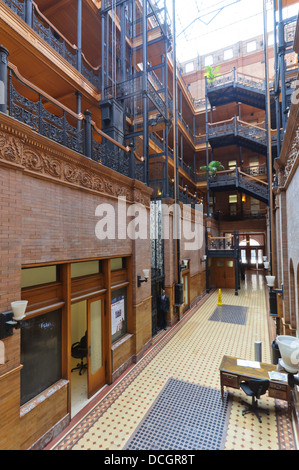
79,351
254,388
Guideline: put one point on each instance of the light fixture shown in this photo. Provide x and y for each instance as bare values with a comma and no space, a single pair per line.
184,264
12,319
270,281
146,274
265,258
19,308
203,259
266,264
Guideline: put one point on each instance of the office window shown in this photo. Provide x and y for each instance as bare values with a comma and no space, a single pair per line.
86,268
232,164
233,198
228,54
117,263
118,313
31,277
243,257
209,60
270,39
189,67
41,344
251,46
254,161
255,207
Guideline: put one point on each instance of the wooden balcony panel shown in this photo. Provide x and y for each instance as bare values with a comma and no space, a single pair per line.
38,61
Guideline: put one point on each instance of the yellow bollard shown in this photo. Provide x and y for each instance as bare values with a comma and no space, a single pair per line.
219,303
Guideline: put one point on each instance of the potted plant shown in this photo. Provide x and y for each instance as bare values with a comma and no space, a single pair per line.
212,73
214,166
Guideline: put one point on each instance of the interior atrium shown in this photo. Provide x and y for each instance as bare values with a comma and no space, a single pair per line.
149,187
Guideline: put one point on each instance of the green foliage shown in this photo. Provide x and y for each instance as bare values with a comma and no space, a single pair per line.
214,166
212,73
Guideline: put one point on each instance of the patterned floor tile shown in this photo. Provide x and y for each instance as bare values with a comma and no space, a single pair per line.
190,352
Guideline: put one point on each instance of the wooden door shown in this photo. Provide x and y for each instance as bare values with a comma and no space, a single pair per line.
223,273
229,274
96,345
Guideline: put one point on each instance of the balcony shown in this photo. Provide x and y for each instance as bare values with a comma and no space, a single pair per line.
78,132
240,133
29,12
231,180
234,87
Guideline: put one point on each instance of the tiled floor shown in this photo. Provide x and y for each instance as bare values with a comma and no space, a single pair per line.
190,352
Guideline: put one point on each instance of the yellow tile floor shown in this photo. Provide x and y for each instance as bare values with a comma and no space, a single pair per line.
191,351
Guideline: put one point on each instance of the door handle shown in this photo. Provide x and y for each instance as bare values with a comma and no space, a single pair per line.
89,351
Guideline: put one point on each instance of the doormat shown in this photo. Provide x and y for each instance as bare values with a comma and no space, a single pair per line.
185,416
230,314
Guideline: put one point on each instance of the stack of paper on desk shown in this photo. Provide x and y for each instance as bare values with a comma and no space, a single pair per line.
252,364
278,376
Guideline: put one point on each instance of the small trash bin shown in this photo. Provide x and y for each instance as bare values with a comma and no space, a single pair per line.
275,352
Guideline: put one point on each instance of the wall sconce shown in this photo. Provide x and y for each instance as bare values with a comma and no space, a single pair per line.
265,258
266,264
204,259
272,294
146,274
184,264
12,319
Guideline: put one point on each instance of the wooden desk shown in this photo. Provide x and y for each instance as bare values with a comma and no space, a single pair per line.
231,375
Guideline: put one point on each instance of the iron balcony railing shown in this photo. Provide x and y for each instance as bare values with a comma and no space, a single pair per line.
236,78
49,118
30,13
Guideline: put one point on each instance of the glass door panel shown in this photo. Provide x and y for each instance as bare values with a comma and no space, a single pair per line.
96,349
96,339
186,291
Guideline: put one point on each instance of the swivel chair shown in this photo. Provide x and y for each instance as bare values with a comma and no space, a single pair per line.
254,388
79,351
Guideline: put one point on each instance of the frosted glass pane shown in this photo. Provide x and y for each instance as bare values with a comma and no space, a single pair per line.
116,264
186,290
85,268
96,336
38,276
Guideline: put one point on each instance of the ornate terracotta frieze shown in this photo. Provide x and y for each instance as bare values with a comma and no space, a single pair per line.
36,154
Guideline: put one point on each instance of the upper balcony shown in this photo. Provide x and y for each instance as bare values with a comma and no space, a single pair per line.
42,34
28,104
237,132
234,87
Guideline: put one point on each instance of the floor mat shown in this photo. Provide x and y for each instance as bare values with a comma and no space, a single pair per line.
185,416
230,314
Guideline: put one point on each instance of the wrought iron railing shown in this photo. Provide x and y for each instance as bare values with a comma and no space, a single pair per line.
29,12
235,126
49,118
42,113
236,78
18,6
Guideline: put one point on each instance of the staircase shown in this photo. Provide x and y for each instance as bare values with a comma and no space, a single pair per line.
232,180
240,133
234,87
